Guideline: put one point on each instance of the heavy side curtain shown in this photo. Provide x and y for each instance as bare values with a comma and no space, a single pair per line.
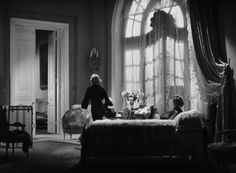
215,77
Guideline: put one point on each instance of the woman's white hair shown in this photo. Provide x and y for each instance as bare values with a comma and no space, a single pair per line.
95,79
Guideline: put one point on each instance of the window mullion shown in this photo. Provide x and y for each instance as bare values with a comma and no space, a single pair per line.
164,69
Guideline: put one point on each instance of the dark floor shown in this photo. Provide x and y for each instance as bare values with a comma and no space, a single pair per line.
41,131
66,158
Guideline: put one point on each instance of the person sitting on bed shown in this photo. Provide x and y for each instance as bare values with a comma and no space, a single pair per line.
98,97
177,103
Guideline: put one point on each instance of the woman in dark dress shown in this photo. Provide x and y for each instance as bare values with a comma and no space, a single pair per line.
178,103
98,97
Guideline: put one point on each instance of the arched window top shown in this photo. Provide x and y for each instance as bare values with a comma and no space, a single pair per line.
141,11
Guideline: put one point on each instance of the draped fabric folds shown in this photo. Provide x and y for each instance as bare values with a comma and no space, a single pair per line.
215,77
225,116
209,53
210,56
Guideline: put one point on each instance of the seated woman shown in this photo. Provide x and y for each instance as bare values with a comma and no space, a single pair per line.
177,103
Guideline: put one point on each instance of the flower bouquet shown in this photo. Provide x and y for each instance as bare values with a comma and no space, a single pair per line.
133,99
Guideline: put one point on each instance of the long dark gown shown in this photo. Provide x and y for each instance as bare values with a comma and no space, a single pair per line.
95,94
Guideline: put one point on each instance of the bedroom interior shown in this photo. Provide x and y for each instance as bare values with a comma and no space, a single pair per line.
153,49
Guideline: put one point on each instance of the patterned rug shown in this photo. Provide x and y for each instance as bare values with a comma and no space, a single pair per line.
45,156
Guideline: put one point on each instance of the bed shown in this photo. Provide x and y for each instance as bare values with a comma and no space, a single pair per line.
119,140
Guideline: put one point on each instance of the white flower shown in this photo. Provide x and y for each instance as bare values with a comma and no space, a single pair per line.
125,94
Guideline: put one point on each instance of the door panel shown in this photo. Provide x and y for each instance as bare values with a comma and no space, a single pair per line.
22,56
22,65
52,83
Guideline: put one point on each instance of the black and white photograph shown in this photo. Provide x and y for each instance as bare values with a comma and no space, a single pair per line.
117,86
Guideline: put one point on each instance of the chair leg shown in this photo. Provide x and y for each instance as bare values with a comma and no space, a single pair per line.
13,148
7,146
27,154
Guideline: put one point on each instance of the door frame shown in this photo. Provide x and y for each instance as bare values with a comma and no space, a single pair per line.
62,87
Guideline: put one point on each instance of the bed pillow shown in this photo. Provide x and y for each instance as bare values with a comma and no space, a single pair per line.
189,120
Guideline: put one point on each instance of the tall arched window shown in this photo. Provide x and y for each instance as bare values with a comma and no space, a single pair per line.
155,46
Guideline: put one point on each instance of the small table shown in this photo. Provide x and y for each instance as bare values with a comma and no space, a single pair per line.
221,154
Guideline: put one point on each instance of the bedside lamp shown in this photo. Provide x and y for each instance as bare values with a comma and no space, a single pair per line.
176,90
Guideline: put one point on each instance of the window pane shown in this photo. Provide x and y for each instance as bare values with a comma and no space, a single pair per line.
128,57
149,71
179,51
136,57
171,66
149,54
158,67
179,69
180,82
138,17
136,74
150,100
129,87
129,28
136,29
128,74
149,87
177,13
136,87
144,3
159,102
158,84
133,8
170,80
158,48
139,10
170,47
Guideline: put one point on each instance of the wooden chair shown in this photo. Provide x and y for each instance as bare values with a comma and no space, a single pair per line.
41,111
4,127
16,131
223,153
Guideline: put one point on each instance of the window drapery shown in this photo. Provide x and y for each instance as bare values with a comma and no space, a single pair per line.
209,54
215,77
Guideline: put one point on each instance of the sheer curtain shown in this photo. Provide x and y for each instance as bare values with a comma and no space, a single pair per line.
166,56
156,52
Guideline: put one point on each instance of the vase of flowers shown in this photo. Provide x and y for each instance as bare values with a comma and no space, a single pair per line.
133,99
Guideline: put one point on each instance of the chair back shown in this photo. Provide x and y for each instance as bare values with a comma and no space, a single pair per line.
3,119
21,114
41,105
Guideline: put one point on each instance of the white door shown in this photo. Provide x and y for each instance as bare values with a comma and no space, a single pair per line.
52,52
22,64
22,56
